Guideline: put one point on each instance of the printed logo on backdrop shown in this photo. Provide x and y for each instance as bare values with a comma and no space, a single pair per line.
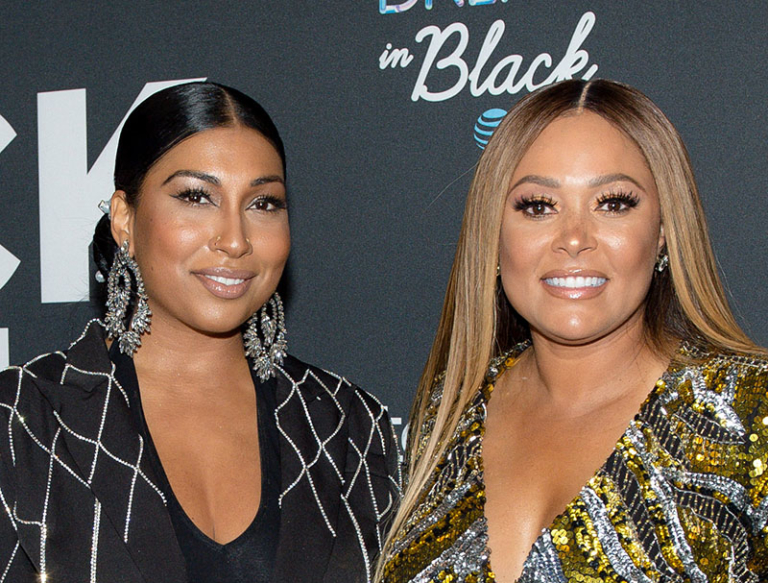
491,72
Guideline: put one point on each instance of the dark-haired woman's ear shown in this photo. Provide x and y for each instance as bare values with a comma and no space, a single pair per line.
121,218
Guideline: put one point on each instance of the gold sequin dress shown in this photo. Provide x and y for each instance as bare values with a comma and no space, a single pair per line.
682,497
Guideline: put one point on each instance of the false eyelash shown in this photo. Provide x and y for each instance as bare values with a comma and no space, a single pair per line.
525,201
186,195
628,198
277,202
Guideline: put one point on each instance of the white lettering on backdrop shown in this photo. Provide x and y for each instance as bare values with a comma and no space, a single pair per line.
69,192
8,262
386,8
505,76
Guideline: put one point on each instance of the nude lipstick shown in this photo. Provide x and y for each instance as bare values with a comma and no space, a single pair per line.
225,283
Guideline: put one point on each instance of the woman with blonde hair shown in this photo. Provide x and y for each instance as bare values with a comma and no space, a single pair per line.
627,436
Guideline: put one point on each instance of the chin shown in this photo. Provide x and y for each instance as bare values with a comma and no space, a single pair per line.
578,335
578,341
218,326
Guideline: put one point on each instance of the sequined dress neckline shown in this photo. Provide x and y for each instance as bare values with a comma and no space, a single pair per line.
683,496
545,540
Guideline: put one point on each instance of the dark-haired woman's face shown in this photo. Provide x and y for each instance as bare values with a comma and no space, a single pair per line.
210,231
581,232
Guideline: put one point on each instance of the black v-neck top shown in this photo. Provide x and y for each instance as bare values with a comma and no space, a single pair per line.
249,558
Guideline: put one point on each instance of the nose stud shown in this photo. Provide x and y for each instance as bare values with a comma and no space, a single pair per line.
215,243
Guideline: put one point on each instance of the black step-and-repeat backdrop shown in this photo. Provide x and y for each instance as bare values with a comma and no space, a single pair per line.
384,106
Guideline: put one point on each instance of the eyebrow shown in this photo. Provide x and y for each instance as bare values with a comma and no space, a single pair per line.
618,177
216,182
267,180
594,183
194,174
540,180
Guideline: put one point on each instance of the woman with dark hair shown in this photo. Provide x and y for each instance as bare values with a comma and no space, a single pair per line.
590,410
176,440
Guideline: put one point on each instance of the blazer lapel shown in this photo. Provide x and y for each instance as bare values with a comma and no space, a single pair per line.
110,456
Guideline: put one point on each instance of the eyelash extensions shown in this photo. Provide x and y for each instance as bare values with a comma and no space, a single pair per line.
626,201
527,202
629,199
192,195
195,195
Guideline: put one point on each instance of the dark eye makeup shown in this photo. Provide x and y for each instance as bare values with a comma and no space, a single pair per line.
197,196
614,202
535,205
194,195
617,202
270,203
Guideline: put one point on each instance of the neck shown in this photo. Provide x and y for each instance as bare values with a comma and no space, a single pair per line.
183,353
582,377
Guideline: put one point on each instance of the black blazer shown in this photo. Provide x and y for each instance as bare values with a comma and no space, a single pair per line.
80,501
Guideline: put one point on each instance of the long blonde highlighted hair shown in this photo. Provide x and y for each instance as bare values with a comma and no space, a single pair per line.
686,301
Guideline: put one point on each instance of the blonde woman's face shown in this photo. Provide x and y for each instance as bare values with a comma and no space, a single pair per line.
581,232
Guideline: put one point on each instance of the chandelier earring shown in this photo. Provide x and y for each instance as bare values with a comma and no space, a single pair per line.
662,262
264,338
123,275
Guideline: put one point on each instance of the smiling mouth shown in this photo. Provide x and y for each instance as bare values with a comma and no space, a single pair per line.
224,280
228,284
576,282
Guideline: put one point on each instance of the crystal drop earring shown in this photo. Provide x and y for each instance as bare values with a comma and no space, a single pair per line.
264,338
123,273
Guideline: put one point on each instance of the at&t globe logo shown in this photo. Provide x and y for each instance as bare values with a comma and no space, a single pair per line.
486,124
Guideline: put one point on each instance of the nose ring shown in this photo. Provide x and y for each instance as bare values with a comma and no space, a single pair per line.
217,240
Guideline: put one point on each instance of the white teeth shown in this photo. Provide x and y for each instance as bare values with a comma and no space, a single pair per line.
225,280
575,282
